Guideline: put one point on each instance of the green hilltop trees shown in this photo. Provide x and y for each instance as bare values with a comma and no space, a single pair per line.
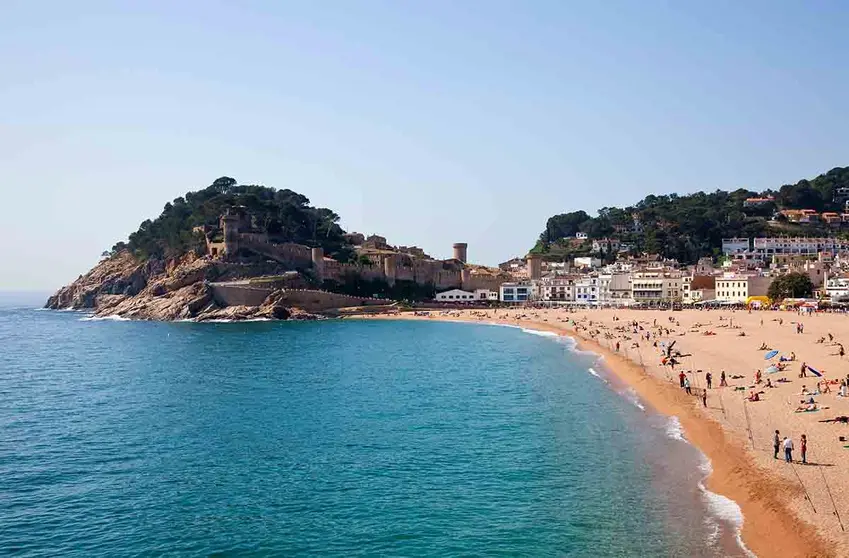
790,285
692,226
285,215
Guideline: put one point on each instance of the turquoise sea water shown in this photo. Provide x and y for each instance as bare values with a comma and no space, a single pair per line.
337,438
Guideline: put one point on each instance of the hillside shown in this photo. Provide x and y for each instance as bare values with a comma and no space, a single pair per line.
163,272
284,215
692,226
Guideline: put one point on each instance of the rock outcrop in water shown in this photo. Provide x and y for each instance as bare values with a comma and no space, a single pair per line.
177,289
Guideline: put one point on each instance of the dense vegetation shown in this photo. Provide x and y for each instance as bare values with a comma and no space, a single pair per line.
790,285
692,226
285,215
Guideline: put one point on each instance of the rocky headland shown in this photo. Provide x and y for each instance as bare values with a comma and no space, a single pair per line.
176,289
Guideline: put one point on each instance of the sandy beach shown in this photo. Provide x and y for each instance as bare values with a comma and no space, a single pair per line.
790,509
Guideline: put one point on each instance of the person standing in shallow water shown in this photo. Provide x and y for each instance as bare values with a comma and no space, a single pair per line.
776,443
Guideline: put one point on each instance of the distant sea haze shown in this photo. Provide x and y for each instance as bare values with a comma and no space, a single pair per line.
335,438
34,299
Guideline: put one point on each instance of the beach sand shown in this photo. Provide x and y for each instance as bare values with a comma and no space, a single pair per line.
789,509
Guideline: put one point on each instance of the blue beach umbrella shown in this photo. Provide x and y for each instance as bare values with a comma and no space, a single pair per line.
770,355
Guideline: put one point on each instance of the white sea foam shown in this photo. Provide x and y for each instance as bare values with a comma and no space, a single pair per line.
632,396
540,332
674,429
595,373
725,509
114,318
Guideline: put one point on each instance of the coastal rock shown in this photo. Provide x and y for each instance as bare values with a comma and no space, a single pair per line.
119,275
175,289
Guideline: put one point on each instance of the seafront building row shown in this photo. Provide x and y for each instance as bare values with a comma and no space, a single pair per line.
650,280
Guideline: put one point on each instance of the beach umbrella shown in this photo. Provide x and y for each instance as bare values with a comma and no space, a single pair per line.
770,355
814,371
771,369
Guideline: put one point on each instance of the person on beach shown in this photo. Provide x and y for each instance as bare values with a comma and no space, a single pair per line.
681,378
804,370
704,398
804,449
687,386
776,443
722,382
788,450
708,379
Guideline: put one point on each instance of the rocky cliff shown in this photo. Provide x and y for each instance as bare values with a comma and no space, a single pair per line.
174,289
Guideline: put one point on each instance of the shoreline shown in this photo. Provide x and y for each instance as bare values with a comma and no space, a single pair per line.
770,527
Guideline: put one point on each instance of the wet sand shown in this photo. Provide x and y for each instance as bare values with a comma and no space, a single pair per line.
789,509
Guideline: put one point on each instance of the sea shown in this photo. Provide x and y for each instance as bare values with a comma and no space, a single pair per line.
334,438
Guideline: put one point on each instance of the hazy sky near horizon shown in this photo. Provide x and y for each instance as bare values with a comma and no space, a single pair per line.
427,122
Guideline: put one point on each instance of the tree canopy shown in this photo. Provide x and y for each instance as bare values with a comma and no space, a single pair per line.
692,226
790,285
285,215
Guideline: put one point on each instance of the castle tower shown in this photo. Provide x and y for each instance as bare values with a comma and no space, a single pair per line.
318,262
466,279
460,249
230,225
390,264
534,267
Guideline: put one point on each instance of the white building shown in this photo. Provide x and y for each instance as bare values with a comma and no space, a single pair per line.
515,292
802,246
738,288
581,235
732,246
837,289
655,286
455,295
586,290
486,294
556,289
606,245
587,262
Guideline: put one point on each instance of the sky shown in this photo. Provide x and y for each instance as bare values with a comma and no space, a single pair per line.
426,122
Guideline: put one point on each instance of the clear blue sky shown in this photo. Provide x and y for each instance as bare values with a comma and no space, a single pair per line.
428,122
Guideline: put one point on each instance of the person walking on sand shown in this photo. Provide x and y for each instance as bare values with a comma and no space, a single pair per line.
708,379
704,398
804,449
804,372
687,386
788,450
776,443
722,382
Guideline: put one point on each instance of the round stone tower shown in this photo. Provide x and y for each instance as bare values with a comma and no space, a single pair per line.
460,249
390,265
230,226
534,267
318,262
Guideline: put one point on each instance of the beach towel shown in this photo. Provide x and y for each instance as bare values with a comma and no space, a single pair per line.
814,371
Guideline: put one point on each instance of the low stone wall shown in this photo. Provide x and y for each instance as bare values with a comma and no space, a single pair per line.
316,301
239,295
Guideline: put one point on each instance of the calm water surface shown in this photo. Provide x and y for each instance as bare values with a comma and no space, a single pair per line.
335,438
